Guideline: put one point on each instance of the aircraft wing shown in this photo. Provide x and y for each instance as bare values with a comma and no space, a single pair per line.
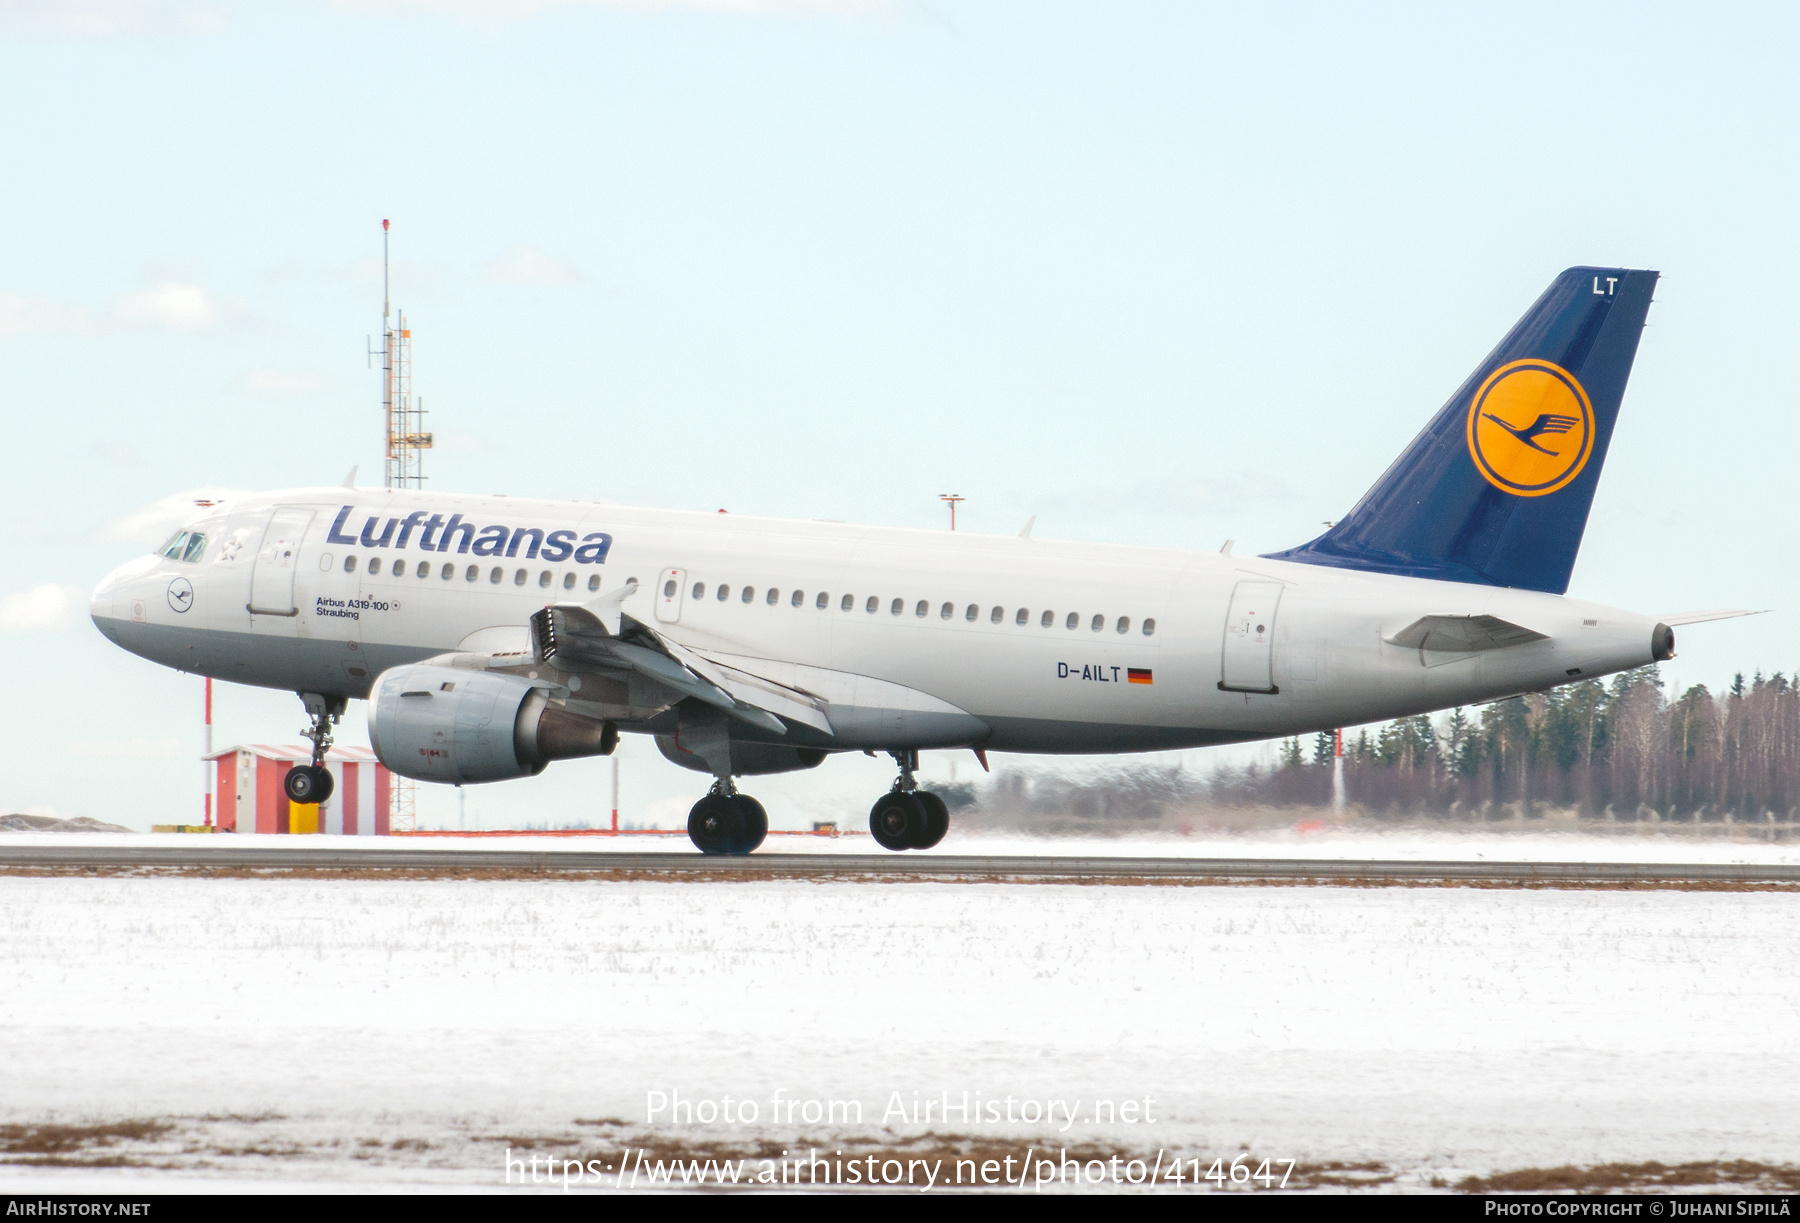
601,635
1463,634
754,690
1675,619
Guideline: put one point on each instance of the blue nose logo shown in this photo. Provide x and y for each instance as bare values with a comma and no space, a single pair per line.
181,594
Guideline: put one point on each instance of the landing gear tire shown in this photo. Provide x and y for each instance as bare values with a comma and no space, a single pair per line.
716,825
309,783
937,820
756,823
898,820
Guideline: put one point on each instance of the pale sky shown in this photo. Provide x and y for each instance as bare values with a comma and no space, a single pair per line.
1155,273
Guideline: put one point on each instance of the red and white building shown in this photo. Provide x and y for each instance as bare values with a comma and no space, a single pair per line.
247,793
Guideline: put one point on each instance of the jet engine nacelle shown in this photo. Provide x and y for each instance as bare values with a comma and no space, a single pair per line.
453,725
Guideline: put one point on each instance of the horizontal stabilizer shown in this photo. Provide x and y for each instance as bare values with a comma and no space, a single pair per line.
1675,619
1463,634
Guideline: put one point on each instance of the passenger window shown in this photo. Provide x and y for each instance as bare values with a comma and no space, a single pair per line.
724,592
544,578
922,608
1098,624
699,591
823,601
473,572
594,581
798,598
997,615
196,546
1149,629
374,564
1124,624
872,604
898,607
1048,618
423,569
399,569
568,581
1023,616
349,564
1073,620
773,597
494,576
669,589
971,612
519,578
448,572
946,611
749,594
847,602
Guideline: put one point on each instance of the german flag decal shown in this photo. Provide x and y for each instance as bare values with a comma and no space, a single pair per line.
1138,675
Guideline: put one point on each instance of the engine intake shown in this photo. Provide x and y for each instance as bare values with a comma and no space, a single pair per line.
453,725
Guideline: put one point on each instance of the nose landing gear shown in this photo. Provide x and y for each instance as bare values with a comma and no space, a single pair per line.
312,783
907,817
726,822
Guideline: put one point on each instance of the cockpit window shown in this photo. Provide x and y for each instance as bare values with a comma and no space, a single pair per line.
184,546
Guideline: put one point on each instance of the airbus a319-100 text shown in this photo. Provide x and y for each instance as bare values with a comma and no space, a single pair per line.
494,635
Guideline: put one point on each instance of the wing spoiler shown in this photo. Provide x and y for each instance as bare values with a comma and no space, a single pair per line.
600,634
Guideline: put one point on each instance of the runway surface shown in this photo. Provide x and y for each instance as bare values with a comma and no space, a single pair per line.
872,867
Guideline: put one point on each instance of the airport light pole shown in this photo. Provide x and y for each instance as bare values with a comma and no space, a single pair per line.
952,498
1337,773
207,767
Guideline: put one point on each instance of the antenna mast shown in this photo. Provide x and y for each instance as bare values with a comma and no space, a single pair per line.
404,466
407,441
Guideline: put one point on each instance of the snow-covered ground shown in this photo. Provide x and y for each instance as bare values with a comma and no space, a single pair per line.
371,1032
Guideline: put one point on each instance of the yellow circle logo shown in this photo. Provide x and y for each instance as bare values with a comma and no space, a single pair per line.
1531,428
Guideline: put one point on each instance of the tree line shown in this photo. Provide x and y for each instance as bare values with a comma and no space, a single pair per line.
1620,750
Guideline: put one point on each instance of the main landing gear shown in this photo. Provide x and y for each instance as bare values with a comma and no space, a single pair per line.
726,822
312,783
907,817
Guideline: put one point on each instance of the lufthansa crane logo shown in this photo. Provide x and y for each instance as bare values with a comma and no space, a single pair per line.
1531,428
181,595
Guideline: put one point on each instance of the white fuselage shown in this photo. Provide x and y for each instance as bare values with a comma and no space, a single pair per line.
1306,649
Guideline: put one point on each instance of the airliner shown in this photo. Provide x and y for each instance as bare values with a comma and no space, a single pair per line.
494,635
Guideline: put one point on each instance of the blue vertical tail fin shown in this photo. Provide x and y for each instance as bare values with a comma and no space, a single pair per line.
1497,488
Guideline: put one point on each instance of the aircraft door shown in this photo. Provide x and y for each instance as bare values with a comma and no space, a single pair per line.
671,589
272,579
1248,658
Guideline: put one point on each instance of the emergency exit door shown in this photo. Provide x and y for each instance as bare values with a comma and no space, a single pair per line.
1248,662
670,595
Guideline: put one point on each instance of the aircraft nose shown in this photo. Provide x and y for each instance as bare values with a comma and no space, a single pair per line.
103,604
110,602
